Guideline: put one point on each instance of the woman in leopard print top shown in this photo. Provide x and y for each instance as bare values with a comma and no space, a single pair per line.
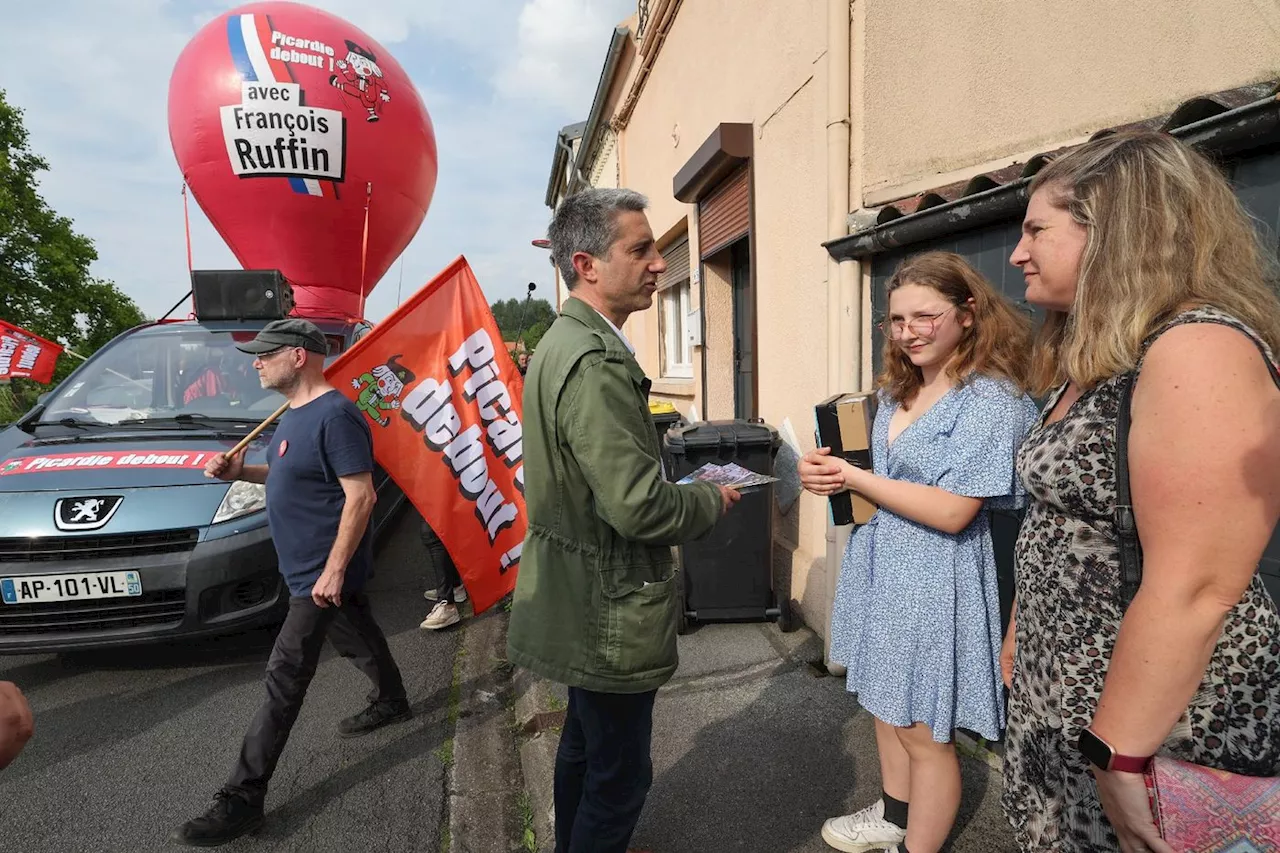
1143,257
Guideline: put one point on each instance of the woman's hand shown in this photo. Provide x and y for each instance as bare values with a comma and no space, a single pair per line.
1125,802
1006,658
1009,646
823,474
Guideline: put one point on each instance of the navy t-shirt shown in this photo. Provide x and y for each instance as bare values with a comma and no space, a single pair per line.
312,447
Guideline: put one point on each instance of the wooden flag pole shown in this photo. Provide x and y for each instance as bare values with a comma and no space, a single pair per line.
256,431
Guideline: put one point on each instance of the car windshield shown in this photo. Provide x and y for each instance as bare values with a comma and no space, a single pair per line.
166,374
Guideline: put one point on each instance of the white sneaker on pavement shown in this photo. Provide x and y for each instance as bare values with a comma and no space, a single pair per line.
442,615
459,594
863,831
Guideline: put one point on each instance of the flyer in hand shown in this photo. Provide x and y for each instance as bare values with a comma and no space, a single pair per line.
732,475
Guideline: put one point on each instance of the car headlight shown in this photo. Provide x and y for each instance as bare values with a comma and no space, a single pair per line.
241,499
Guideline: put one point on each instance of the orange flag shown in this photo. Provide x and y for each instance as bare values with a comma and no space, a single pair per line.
443,400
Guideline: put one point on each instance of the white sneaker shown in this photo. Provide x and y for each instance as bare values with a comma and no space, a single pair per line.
442,615
459,594
862,831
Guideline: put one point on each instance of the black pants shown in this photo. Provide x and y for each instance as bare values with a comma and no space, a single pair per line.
445,575
357,637
603,770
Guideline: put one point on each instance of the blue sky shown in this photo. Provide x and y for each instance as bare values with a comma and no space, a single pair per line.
499,77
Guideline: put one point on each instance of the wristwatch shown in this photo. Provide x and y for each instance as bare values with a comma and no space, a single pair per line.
1101,754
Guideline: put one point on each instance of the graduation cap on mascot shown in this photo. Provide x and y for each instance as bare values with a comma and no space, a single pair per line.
360,50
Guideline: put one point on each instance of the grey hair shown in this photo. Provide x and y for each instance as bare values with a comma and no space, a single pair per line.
588,222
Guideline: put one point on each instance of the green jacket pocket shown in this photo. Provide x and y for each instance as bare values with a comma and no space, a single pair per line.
638,631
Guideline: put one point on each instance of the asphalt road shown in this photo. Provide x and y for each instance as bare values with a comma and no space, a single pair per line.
131,743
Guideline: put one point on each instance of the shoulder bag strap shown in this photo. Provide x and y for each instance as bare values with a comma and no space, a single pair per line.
1122,517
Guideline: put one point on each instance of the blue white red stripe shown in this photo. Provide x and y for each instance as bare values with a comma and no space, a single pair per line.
249,37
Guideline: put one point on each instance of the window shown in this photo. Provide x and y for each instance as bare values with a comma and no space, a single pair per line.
677,353
674,296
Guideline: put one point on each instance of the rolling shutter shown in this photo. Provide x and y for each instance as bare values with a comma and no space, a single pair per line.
677,257
725,214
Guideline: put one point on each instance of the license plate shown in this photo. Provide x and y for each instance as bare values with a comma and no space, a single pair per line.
38,589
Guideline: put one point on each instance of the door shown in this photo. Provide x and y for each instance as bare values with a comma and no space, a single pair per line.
744,331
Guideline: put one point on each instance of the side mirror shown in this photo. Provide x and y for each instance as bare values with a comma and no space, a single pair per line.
43,398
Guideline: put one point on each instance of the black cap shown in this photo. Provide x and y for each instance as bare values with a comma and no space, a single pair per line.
289,332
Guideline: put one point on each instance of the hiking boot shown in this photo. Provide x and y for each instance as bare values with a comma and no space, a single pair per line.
863,831
230,816
441,616
377,715
459,594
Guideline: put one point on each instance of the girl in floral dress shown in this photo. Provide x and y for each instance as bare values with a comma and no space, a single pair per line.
916,618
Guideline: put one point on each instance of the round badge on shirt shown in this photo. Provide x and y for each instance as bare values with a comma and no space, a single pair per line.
284,445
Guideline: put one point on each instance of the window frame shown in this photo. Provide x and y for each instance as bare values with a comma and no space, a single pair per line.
675,304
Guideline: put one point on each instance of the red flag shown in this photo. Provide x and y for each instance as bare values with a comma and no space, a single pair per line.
26,356
443,400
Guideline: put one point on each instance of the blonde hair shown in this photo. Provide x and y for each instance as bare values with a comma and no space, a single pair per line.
1165,232
997,342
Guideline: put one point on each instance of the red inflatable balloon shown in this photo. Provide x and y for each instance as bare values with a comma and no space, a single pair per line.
288,124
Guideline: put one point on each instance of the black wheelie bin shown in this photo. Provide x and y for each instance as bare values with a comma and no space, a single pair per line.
727,575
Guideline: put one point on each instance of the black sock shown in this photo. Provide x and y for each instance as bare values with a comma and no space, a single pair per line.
902,848
895,811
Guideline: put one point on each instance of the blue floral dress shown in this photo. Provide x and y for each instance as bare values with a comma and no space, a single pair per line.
916,617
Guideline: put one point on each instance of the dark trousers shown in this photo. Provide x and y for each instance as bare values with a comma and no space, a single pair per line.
445,575
356,636
603,770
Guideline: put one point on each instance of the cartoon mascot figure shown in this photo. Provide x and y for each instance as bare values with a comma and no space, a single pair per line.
359,76
380,389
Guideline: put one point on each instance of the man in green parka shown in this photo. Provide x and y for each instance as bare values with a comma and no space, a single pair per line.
595,603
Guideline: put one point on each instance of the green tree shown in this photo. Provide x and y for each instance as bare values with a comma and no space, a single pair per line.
45,285
516,318
535,333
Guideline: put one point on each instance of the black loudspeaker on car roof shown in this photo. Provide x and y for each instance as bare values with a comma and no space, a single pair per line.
241,294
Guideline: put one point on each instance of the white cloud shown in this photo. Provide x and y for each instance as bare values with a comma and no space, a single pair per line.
558,39
479,26
499,77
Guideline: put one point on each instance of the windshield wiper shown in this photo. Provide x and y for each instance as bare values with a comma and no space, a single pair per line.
67,422
185,418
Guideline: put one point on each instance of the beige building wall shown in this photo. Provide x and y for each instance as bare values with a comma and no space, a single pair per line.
966,85
722,62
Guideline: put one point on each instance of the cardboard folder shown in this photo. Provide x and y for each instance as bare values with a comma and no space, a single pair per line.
844,424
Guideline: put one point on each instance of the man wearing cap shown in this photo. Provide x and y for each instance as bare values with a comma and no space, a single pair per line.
319,498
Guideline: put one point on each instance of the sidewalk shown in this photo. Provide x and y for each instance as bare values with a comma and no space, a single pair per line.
753,748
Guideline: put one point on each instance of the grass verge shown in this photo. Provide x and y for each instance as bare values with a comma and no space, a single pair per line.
528,838
445,751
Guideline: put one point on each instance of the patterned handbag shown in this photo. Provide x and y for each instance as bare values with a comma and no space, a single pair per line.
1202,810
1197,809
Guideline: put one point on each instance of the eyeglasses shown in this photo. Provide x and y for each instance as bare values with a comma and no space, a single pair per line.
921,327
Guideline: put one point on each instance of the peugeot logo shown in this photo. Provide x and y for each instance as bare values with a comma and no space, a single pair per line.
85,513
